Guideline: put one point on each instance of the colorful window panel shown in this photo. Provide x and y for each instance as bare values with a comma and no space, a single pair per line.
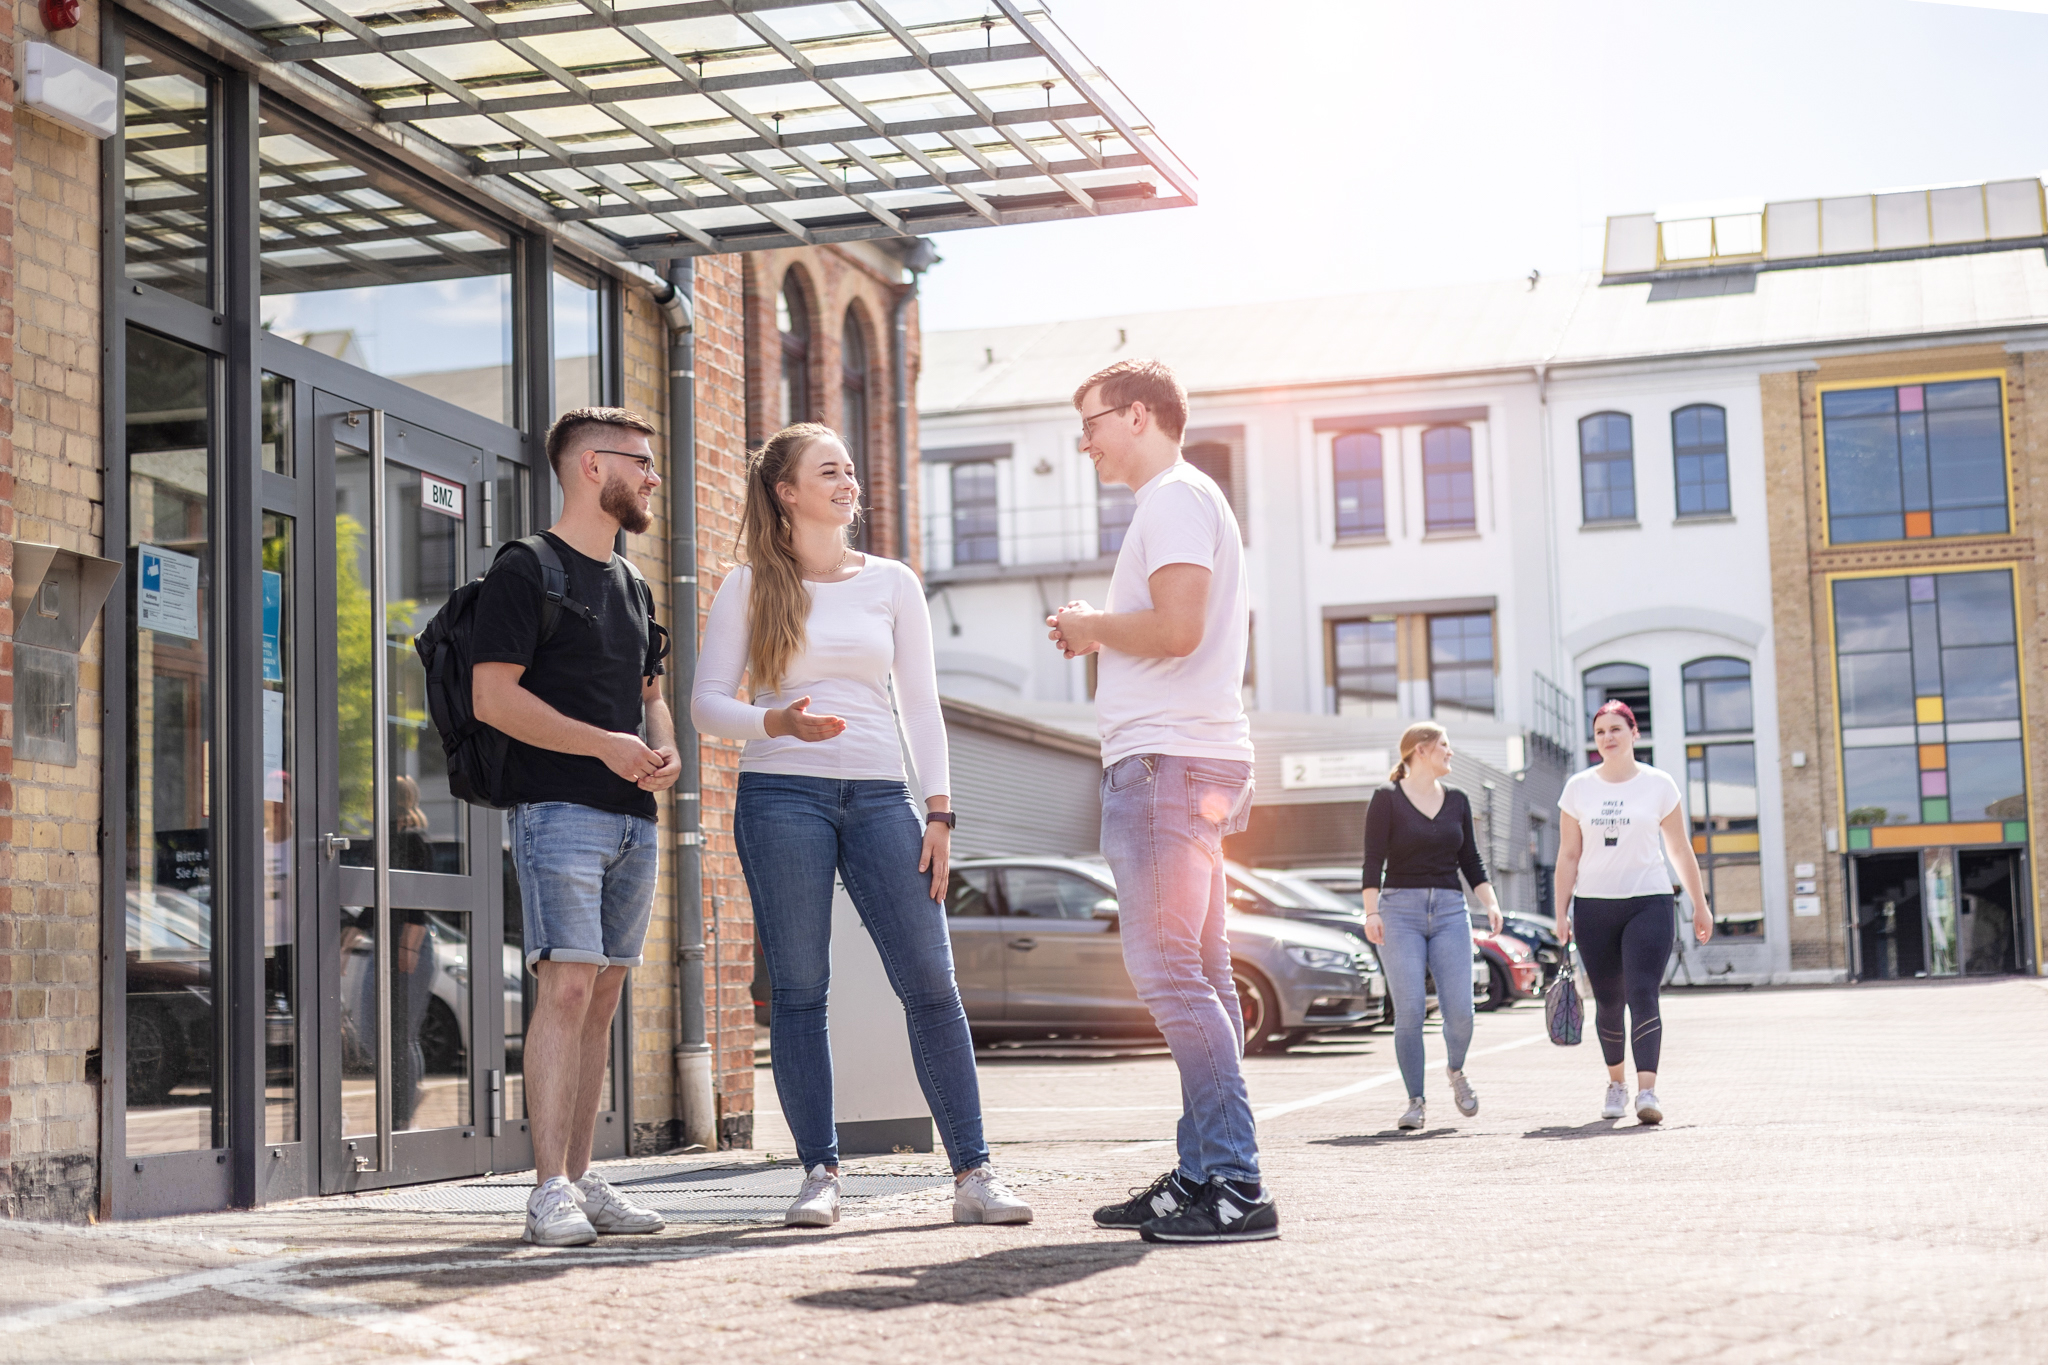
1721,795
1912,461
1927,667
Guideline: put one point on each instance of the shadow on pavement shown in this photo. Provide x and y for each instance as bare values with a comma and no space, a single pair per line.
1390,1137
1597,1128
1006,1274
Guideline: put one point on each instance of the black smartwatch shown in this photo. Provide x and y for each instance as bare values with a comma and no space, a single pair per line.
942,817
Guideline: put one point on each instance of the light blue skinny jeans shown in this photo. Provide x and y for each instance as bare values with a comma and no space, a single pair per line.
1427,930
1163,822
793,833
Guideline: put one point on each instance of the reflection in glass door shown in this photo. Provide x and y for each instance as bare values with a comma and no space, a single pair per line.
406,907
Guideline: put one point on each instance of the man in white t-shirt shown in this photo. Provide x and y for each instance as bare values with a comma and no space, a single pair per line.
1177,778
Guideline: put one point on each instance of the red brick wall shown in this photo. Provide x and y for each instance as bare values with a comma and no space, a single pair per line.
835,279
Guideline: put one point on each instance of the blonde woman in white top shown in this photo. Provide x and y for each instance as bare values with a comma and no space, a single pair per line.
812,622
1620,821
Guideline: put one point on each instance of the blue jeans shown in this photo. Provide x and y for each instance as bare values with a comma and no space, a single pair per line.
1427,930
586,882
1163,822
792,833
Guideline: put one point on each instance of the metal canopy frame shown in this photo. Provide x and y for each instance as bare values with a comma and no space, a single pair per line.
686,129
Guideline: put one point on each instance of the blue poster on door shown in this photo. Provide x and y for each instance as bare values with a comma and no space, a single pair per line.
273,612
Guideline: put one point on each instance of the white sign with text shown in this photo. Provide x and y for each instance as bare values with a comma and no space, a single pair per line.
1344,768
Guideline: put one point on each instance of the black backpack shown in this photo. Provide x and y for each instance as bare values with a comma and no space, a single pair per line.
477,769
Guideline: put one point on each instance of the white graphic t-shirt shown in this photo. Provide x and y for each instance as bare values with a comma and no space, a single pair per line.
1624,848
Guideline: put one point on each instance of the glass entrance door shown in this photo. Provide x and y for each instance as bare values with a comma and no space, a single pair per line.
407,1040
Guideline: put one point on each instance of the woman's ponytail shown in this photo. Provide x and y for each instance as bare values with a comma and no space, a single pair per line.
1414,737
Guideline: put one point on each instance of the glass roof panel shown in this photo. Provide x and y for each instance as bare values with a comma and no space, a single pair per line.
679,127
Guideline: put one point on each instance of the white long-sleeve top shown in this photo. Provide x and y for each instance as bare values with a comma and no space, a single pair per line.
857,635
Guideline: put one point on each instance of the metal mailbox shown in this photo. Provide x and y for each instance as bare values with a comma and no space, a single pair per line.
58,594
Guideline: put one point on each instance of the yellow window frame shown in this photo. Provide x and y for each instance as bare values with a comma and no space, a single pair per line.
1820,392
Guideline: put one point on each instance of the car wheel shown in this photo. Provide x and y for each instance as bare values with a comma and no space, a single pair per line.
1261,1009
440,1040
155,1061
1498,990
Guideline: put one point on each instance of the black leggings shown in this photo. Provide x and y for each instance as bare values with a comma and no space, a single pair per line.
1625,944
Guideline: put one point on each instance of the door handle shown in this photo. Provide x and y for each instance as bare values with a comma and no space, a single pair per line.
332,846
1022,945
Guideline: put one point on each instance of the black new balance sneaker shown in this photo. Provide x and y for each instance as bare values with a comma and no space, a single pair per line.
1217,1214
1168,1194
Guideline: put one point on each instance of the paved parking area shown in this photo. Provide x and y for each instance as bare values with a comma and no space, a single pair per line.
1845,1174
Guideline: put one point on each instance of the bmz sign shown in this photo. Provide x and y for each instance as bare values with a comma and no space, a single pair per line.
438,495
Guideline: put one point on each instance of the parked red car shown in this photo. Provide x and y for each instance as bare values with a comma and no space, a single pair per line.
1511,969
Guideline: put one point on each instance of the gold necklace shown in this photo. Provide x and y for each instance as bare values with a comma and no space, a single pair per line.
844,555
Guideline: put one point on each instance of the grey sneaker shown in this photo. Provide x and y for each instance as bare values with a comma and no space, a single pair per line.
817,1203
1463,1093
609,1211
1616,1103
1647,1108
982,1198
554,1220
1413,1118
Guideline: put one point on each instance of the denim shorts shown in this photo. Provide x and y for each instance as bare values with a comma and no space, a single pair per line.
586,882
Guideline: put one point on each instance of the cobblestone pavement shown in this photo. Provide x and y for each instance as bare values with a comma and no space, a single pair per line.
1844,1174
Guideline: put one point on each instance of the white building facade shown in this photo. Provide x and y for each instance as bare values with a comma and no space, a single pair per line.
1495,505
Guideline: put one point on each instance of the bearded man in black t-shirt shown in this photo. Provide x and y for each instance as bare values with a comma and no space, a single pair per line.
592,741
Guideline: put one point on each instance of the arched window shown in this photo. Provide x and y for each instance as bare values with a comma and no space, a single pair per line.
1447,503
1360,482
853,413
793,322
1607,467
1717,697
1629,683
1699,456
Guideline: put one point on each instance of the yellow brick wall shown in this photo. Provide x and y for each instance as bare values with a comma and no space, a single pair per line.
1801,562
50,492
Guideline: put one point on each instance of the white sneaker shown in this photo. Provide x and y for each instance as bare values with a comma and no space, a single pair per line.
1616,1103
982,1198
817,1203
553,1218
609,1211
1413,1118
1462,1091
1647,1108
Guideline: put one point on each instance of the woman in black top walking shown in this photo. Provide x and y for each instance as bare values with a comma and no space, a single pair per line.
1418,838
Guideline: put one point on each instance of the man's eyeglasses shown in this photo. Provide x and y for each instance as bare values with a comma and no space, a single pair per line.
646,462
1089,420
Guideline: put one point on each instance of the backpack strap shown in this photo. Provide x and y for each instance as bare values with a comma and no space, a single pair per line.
554,584
657,634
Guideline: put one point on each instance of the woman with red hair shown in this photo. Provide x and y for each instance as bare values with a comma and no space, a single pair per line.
1620,821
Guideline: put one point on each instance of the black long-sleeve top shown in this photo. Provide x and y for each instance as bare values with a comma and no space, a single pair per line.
1405,848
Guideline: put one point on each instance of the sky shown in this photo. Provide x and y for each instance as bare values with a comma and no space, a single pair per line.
1347,146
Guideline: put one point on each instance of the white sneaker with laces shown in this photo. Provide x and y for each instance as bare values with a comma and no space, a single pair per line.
982,1198
553,1218
1647,1108
609,1211
1616,1103
817,1203
1413,1117
1461,1090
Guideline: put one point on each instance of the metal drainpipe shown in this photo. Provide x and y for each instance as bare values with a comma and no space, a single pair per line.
695,1099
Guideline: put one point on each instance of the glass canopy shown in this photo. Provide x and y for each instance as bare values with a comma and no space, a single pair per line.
685,129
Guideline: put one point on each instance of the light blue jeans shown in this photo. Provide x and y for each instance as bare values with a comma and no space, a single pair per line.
793,833
1427,930
586,882
1163,822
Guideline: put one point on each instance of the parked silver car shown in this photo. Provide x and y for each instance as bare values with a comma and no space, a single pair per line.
1036,953
1345,881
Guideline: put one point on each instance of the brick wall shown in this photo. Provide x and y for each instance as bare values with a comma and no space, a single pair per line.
1801,562
837,281
728,929
50,493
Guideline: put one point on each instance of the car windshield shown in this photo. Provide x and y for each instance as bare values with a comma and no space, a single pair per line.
1278,892
1306,893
